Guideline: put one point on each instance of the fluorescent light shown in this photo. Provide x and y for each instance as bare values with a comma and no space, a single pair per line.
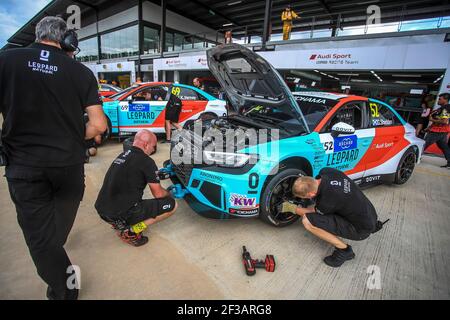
359,80
233,3
406,82
407,75
227,24
348,74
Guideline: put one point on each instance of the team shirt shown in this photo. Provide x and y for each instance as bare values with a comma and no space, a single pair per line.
125,182
43,96
339,195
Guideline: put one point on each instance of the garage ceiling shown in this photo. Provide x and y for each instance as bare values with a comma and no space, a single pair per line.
250,13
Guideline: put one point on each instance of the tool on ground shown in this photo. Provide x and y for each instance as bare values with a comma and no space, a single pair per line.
251,265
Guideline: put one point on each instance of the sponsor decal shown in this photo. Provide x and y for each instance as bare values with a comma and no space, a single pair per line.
44,55
209,176
42,67
244,211
345,143
241,201
337,158
333,59
124,108
384,145
311,100
347,186
140,115
372,179
335,183
139,107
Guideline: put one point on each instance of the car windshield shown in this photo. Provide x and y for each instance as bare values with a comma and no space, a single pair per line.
123,93
314,109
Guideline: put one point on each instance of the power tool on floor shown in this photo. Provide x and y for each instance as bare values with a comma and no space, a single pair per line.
251,265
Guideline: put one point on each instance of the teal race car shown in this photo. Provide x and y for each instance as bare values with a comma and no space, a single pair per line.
277,136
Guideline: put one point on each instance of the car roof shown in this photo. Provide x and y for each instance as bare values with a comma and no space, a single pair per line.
145,84
327,95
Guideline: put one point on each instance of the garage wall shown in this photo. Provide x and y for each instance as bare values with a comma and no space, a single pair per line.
115,21
152,13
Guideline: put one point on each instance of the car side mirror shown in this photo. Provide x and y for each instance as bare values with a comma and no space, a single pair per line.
342,128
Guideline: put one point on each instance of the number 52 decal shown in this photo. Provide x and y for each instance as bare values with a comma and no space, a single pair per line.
328,146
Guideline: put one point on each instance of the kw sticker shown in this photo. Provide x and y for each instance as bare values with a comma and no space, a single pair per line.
241,201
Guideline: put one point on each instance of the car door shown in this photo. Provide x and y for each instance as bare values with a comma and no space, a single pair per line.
389,140
141,111
192,103
344,152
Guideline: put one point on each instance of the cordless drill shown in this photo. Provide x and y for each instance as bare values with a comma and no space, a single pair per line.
251,265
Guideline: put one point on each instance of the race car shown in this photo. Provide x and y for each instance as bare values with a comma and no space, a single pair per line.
105,90
142,106
365,138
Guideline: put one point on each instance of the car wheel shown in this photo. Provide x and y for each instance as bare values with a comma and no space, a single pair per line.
187,125
277,191
405,167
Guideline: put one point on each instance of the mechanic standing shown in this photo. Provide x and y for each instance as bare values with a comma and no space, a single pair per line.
439,129
340,210
173,110
43,95
120,200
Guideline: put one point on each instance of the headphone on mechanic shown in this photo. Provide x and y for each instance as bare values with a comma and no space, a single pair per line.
69,42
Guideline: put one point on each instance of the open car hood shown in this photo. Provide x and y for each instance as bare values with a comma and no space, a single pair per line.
249,80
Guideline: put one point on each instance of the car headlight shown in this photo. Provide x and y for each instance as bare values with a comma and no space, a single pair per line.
226,159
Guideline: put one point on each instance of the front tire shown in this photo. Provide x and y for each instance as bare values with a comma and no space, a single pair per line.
405,167
277,191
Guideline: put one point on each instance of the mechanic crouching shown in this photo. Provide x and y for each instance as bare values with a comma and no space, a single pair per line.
340,210
120,200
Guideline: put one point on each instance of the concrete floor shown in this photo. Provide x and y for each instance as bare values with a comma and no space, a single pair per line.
190,257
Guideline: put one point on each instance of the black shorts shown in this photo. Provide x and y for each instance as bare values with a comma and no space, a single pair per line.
149,209
173,113
143,210
337,225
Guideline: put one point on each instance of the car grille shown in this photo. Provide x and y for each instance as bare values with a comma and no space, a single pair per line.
183,172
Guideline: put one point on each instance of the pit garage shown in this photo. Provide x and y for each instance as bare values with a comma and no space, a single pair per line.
388,70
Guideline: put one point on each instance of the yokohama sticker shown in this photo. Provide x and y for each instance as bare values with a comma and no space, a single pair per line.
244,211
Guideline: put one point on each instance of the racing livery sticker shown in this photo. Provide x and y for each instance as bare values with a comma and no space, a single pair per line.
345,143
139,108
241,201
244,212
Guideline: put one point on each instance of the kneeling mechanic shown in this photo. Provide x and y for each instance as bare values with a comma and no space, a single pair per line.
120,200
341,210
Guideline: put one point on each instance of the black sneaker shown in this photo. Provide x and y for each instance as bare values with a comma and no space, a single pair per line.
134,239
447,166
339,256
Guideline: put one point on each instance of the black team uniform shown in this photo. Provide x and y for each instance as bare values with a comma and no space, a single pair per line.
343,210
120,199
43,94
